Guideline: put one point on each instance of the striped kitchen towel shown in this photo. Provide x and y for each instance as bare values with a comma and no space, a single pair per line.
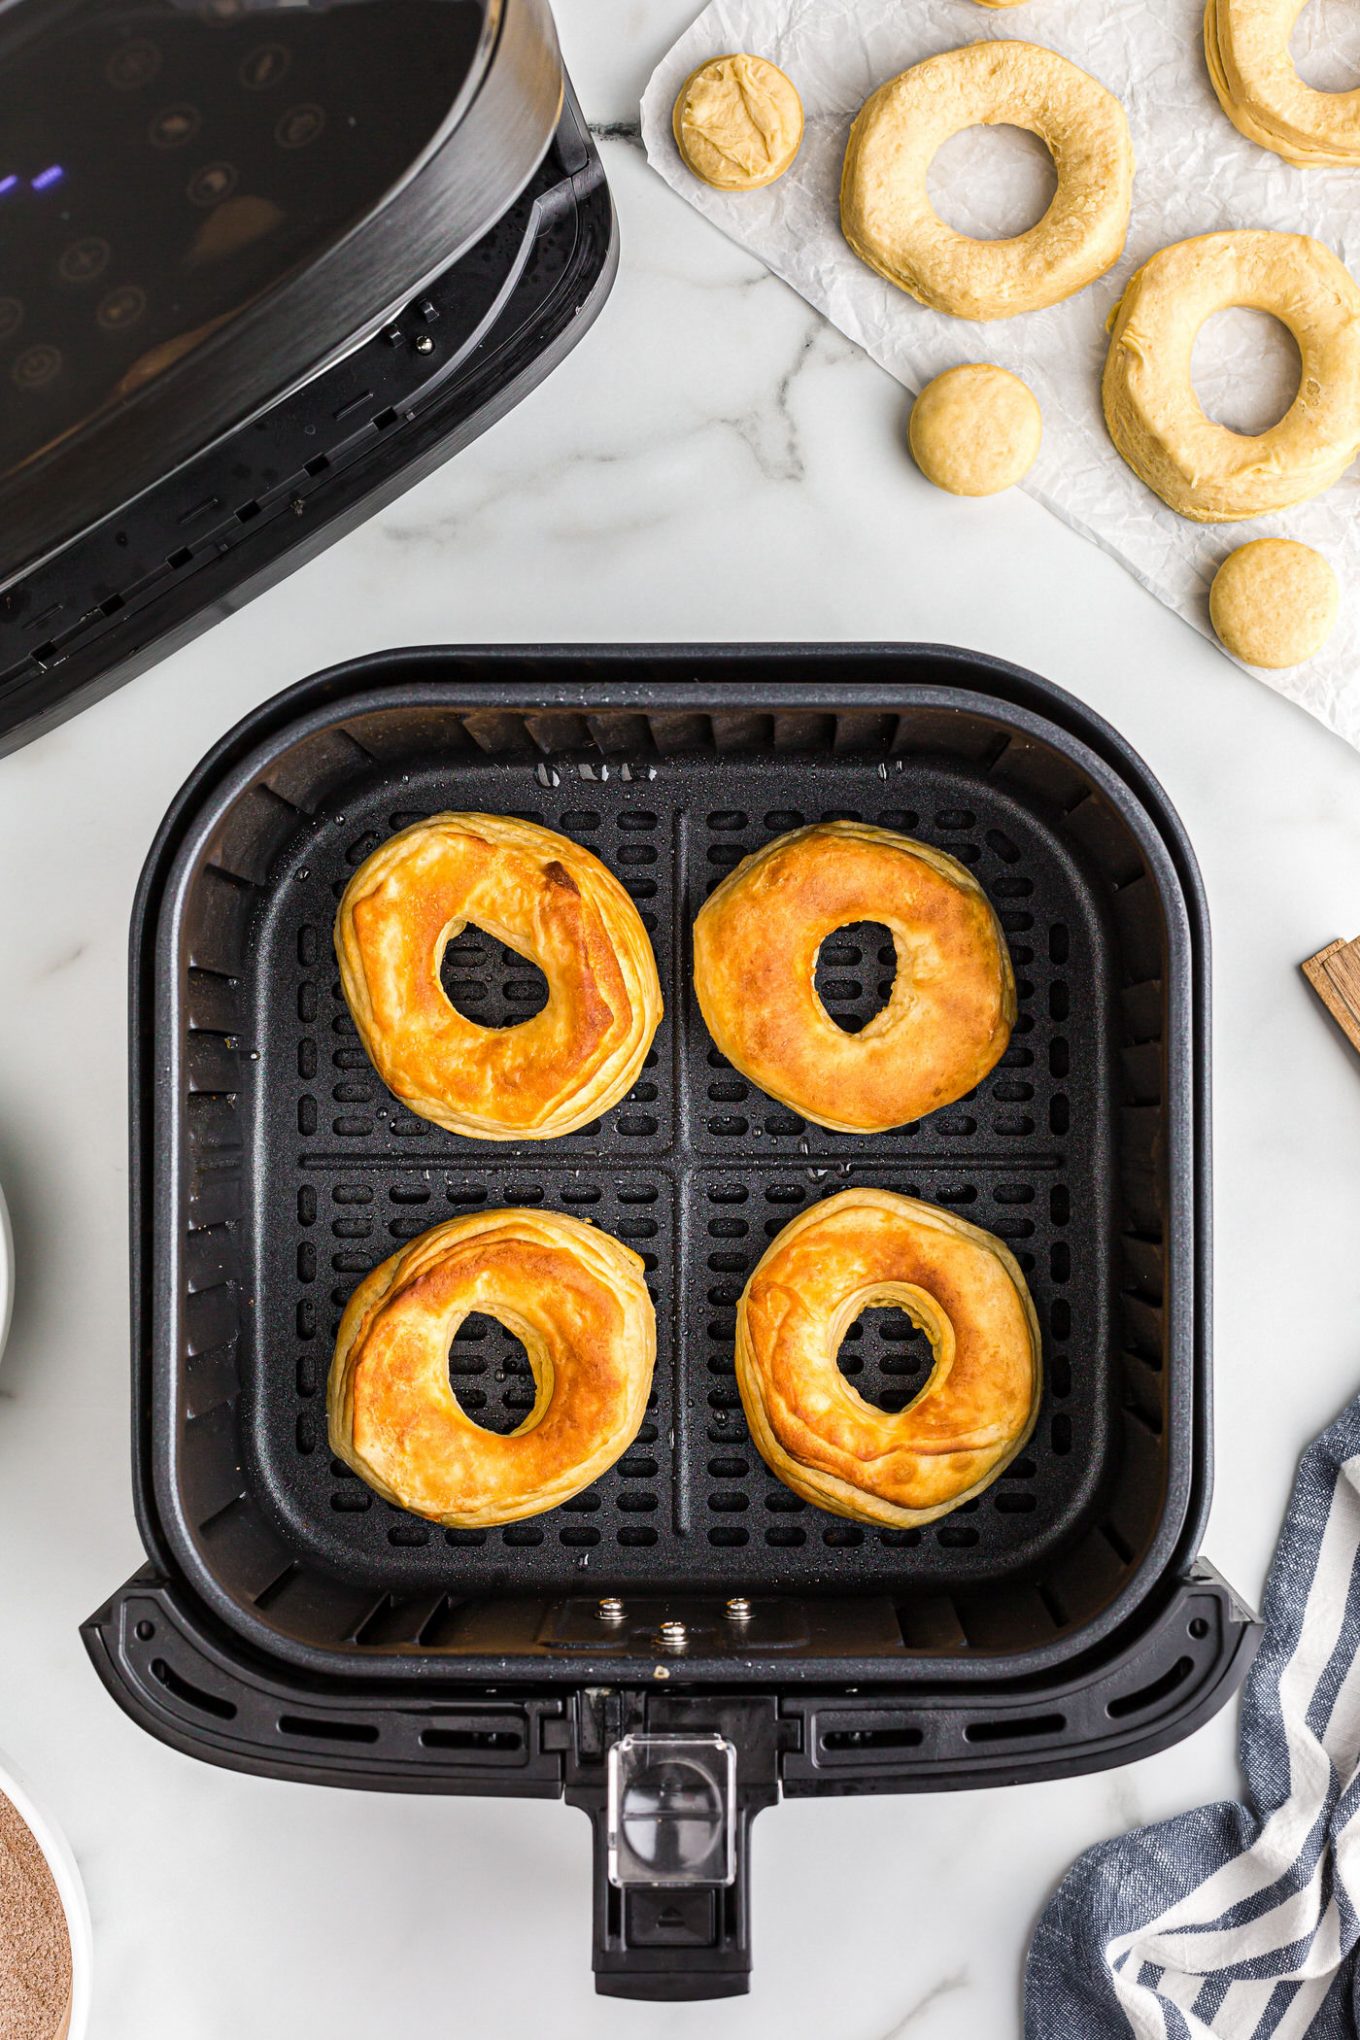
1241,1921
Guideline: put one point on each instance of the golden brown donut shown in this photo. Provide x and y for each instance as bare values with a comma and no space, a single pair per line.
1274,602
1201,469
738,122
542,896
889,221
575,1298
946,1022
1246,46
963,1289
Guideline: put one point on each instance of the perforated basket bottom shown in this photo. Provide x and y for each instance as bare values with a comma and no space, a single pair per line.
697,1171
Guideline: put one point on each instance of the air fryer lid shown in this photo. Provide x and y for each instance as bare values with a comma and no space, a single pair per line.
201,204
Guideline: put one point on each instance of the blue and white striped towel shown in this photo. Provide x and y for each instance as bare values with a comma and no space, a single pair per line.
1241,1922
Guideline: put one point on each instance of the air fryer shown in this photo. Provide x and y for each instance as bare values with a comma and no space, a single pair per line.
687,1641
264,265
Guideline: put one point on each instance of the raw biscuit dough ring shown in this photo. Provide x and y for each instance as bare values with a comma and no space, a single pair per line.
1246,47
1201,469
889,221
952,1005
576,1298
542,896
962,1287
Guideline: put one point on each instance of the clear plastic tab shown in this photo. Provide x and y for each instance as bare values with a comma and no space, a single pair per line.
672,1810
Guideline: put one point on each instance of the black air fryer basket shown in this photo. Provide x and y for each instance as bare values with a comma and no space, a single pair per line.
291,1622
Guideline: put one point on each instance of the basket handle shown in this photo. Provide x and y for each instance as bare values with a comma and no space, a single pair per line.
672,1786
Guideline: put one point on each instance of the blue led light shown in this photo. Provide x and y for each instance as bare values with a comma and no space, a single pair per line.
45,179
7,185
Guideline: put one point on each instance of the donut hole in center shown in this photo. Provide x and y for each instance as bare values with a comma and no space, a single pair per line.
490,1375
1246,369
992,182
854,973
886,1357
489,983
1325,45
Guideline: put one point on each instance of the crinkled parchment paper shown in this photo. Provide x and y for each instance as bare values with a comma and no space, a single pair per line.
1195,174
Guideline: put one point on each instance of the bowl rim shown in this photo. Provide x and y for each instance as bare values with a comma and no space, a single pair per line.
60,1860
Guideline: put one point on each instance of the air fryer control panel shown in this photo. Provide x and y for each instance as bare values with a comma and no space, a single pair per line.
163,165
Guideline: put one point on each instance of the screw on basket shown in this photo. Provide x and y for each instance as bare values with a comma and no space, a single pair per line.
610,1609
738,1609
672,1635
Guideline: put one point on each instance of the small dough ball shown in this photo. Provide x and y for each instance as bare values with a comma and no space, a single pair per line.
738,123
975,430
1274,602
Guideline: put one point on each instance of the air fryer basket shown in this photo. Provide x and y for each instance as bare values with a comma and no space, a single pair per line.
1057,1621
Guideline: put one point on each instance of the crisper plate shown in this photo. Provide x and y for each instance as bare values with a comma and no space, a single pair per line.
696,1170
286,1170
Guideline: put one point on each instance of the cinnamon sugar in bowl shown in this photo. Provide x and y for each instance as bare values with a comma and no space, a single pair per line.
44,1927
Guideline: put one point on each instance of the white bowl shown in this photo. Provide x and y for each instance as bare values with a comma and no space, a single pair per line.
70,1890
6,1272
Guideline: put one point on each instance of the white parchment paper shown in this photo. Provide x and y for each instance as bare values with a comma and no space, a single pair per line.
1195,174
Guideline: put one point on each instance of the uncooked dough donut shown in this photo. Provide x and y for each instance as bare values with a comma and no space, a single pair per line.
889,221
975,430
947,1020
1204,470
1246,46
576,1298
962,1287
1274,602
738,122
542,896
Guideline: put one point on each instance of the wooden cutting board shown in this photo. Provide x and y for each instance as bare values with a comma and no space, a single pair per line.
1334,974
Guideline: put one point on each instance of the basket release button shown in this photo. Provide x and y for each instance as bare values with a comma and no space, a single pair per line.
670,1919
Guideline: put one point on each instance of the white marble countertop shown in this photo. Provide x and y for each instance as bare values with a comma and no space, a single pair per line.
713,462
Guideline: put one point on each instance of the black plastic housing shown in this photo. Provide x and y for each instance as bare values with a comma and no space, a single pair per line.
277,489
1059,1623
